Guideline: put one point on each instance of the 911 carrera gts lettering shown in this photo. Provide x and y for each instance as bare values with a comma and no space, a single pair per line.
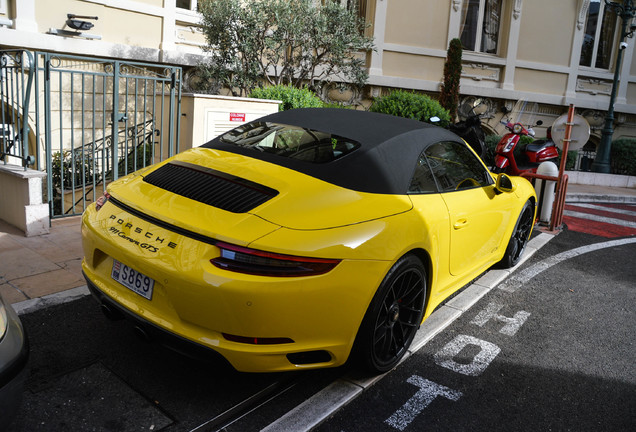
137,230
123,236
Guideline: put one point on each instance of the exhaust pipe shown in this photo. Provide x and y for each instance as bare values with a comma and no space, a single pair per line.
111,313
141,333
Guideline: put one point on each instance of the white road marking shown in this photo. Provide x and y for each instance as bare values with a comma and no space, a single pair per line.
517,281
598,218
607,209
491,311
480,362
427,393
329,400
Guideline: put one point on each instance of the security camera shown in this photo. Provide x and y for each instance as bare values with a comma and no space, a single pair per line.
623,45
76,22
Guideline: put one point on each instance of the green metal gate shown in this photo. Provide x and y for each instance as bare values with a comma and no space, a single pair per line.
16,84
104,119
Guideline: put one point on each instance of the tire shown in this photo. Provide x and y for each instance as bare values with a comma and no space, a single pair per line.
519,238
393,317
497,170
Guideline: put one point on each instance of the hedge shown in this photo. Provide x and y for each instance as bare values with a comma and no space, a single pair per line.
623,156
411,105
291,97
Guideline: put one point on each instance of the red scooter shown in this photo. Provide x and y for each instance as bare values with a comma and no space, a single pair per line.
531,156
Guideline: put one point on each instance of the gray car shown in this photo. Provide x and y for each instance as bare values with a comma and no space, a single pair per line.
14,354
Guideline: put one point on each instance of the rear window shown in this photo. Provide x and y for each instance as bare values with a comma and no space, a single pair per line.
290,141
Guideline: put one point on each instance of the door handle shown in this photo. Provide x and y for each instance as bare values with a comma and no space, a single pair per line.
461,223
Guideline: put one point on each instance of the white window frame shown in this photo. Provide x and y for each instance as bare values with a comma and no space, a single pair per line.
597,39
193,6
480,25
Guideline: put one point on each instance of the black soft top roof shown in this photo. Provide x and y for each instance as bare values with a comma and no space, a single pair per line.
385,161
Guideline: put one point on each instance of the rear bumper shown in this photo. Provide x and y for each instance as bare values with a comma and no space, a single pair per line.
153,332
200,304
240,356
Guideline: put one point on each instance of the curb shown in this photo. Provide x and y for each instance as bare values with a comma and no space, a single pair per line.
329,400
35,304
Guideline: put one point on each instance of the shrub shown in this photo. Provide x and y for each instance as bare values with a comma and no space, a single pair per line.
449,96
623,156
491,144
411,105
294,42
571,160
291,97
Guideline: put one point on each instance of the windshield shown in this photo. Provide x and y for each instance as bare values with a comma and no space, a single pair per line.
290,141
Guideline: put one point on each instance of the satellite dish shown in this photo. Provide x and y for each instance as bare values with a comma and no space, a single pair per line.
580,132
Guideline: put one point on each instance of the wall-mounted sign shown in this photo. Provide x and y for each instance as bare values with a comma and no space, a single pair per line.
237,117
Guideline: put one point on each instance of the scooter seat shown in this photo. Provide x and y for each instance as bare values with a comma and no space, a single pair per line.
537,145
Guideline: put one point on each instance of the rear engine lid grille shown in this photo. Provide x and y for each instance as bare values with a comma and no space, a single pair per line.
211,187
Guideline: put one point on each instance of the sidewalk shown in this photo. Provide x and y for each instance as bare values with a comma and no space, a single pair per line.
36,267
32,267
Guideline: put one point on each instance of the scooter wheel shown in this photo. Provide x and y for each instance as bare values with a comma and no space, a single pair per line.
498,170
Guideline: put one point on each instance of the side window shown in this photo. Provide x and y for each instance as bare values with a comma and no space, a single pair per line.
422,181
455,167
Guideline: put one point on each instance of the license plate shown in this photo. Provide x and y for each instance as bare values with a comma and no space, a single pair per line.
132,279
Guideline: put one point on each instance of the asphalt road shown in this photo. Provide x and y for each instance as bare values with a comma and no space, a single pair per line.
554,351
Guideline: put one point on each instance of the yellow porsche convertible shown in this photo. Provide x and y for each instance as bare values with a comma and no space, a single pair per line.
303,238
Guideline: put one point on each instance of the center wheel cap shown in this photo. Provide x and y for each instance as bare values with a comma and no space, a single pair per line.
394,314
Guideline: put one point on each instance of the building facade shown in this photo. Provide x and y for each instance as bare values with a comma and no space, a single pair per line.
525,58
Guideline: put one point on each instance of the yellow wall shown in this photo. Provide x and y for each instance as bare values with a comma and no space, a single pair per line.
631,94
546,32
114,25
413,66
158,3
421,23
189,34
540,82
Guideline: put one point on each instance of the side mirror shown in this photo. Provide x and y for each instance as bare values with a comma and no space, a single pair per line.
504,183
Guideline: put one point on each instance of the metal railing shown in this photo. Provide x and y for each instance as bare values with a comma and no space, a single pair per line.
16,82
135,150
100,114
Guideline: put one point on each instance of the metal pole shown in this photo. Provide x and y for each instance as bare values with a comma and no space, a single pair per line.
602,160
557,206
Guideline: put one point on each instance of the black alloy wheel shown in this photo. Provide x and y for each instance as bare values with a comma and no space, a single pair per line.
394,316
520,236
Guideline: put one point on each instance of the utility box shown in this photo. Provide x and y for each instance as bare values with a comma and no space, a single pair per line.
204,117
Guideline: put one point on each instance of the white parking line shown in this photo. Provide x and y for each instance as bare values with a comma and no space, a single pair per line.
598,218
607,209
516,282
326,402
